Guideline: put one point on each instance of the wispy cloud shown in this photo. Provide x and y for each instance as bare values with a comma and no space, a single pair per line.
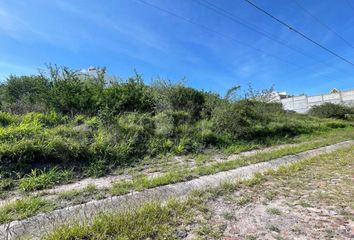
14,26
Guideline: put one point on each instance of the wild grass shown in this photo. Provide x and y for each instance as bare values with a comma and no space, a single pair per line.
274,211
80,196
23,208
150,221
242,200
42,179
142,182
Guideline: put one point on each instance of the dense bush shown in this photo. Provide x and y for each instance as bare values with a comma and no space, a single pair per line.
25,94
177,97
331,110
6,119
129,96
239,119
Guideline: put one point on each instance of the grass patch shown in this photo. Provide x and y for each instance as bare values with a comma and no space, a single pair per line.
23,208
273,228
241,147
6,185
79,196
229,216
42,179
273,211
142,182
150,221
243,200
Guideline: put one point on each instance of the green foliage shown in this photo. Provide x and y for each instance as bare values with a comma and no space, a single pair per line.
177,97
25,93
90,125
149,221
49,119
25,154
72,93
6,119
23,208
331,110
129,96
164,124
96,169
39,179
6,184
239,120
188,100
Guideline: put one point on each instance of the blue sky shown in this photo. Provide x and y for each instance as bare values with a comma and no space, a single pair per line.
124,35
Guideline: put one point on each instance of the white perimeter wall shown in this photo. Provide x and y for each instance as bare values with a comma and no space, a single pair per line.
302,104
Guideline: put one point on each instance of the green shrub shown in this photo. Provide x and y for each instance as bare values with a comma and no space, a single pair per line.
49,119
206,136
176,97
79,119
24,94
164,124
159,146
96,169
6,119
239,119
93,121
129,96
15,133
331,110
186,145
334,124
188,100
6,184
71,93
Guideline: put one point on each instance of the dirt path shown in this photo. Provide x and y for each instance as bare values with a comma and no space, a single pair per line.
36,226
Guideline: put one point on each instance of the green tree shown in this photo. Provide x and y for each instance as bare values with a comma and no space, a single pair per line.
24,93
129,96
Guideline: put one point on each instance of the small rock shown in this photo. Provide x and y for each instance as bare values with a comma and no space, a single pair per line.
181,234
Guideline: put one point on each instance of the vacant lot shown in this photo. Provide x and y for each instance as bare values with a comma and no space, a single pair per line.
22,203
311,199
68,138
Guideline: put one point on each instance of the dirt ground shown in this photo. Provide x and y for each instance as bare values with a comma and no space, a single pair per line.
313,202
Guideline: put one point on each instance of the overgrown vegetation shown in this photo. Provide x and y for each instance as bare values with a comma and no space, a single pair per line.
141,182
86,125
331,110
39,179
23,208
151,221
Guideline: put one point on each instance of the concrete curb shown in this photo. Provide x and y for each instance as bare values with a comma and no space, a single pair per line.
36,226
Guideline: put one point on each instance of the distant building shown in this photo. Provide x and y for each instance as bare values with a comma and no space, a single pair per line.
92,71
277,96
334,90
